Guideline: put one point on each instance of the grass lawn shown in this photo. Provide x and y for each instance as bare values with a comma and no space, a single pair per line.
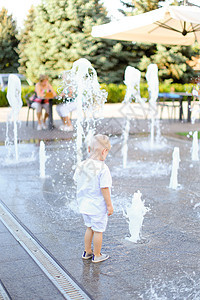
188,134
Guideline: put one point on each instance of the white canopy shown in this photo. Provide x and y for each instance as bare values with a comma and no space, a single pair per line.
175,25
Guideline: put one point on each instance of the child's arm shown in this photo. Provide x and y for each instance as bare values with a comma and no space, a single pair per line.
107,198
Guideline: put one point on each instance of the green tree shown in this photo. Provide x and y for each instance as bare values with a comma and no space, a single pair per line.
25,39
8,43
171,60
62,34
139,6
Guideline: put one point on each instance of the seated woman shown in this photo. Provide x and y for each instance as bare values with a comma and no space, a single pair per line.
65,108
44,92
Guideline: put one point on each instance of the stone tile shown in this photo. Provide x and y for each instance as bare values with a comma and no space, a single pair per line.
6,239
169,260
12,253
2,228
36,287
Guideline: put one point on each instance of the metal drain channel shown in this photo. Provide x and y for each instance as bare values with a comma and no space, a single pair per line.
3,293
64,283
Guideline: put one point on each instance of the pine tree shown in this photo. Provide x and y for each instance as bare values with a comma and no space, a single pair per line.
8,43
25,38
62,34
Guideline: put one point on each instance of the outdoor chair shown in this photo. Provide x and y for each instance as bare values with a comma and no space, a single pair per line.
29,102
170,105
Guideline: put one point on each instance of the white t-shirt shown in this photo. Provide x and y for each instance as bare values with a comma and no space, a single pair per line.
92,175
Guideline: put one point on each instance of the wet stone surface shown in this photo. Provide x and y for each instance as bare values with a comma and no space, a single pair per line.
164,266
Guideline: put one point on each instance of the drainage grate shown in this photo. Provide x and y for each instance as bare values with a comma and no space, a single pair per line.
63,281
3,293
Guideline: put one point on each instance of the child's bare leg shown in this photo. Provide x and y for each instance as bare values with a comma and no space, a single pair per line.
98,236
45,116
39,115
88,240
69,123
64,119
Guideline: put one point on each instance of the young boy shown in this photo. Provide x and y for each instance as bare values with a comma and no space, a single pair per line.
93,194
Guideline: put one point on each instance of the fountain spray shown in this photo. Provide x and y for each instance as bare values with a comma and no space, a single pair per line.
82,78
43,159
153,88
15,101
175,166
135,215
195,147
132,80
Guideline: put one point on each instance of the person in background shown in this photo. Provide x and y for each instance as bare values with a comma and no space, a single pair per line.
44,92
64,109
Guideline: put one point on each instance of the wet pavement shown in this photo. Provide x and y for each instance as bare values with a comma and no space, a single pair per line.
164,266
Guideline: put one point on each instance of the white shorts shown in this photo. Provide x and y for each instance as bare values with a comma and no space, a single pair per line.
38,106
64,109
96,223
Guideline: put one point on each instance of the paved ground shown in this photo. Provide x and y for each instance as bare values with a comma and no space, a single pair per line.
113,115
164,266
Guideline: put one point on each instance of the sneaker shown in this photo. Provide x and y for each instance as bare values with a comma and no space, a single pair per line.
97,259
66,128
86,256
70,128
63,127
44,126
39,127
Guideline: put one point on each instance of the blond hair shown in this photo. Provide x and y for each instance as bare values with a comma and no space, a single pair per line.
43,77
99,142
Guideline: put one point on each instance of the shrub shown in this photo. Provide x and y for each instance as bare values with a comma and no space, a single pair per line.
116,93
3,99
25,90
177,87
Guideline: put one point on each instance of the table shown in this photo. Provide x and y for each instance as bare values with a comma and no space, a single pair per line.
51,102
188,98
179,96
50,127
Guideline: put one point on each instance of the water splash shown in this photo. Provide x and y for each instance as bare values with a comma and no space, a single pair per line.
15,101
132,81
175,166
186,286
142,169
43,159
135,215
125,142
153,88
82,78
27,156
195,147
88,137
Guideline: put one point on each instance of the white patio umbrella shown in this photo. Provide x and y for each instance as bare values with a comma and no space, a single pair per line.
173,25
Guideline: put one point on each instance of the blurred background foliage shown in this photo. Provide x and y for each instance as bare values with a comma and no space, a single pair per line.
58,32
116,93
